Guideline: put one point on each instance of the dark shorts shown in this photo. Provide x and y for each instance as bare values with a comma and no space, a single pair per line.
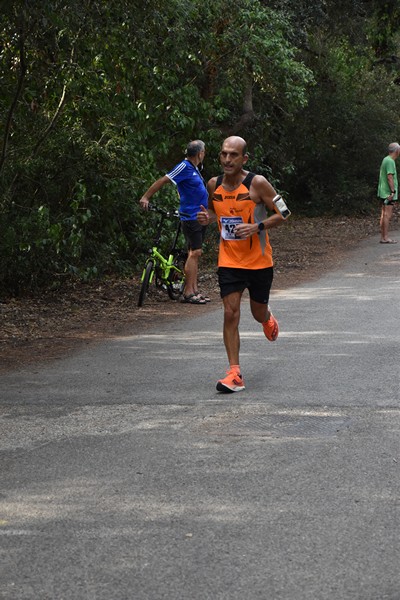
390,203
194,234
257,281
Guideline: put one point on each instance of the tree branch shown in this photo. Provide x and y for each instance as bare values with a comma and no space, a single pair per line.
248,111
52,122
21,78
58,110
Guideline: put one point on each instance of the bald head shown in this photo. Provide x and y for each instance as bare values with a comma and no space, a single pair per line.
236,142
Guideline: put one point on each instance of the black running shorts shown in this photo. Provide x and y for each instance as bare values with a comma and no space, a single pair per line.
257,281
194,234
385,203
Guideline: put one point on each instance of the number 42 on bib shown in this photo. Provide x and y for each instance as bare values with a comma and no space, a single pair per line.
228,225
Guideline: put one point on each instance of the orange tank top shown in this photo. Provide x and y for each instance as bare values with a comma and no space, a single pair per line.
231,208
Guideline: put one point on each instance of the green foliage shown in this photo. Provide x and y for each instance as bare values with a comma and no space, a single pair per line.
100,98
342,133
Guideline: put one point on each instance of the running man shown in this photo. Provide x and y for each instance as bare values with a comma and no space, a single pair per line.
238,201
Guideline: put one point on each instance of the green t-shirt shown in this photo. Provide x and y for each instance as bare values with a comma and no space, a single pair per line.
388,166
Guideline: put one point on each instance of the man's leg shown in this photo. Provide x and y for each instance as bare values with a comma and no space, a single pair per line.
233,382
386,215
263,315
231,326
194,235
260,312
191,272
260,289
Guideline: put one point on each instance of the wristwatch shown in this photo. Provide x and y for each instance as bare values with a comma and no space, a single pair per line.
261,226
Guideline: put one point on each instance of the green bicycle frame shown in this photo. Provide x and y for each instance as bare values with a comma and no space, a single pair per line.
165,265
167,273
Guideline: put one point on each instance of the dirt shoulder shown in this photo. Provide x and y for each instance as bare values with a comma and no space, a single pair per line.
50,325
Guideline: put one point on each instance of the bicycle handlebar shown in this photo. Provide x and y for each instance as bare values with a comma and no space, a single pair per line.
162,211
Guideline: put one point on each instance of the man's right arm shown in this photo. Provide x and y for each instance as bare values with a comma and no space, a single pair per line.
155,187
207,215
390,179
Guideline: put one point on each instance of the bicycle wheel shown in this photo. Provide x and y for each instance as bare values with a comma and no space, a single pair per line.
146,277
176,280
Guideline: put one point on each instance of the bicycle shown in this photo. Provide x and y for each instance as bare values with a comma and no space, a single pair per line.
167,273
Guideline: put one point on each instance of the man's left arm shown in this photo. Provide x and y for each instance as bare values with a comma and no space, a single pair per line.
261,191
267,194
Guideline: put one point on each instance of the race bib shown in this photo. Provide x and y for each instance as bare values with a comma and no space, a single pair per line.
228,225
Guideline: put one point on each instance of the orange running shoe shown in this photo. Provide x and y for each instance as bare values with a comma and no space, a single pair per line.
271,328
233,382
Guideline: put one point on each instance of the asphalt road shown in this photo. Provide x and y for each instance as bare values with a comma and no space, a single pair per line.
125,475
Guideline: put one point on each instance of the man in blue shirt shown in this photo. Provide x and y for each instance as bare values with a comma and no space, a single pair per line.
192,195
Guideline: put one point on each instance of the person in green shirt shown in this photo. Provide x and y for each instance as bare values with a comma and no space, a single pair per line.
388,190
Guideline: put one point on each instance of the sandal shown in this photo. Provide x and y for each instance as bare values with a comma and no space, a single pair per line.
193,299
203,297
